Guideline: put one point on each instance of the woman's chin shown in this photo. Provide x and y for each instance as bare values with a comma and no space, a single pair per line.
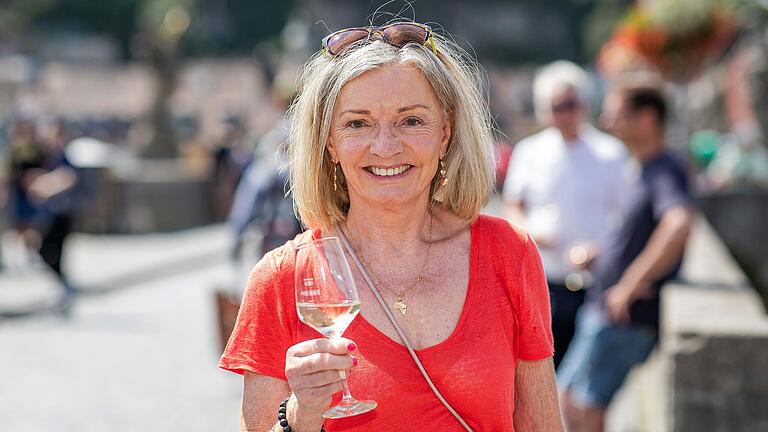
390,198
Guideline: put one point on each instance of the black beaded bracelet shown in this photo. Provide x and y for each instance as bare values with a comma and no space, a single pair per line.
281,417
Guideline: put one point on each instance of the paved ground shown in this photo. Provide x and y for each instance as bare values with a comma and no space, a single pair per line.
138,354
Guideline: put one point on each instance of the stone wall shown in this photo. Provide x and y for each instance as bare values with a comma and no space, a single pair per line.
739,218
708,373
715,344
153,196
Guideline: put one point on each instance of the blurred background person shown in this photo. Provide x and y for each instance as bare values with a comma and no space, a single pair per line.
27,156
44,186
231,156
261,217
618,327
563,185
261,205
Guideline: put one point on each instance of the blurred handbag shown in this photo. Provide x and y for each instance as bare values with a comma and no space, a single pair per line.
227,307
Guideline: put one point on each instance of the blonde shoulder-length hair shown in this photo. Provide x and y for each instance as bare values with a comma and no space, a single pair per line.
457,81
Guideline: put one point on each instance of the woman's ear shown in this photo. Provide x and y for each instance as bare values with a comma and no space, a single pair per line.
331,149
446,136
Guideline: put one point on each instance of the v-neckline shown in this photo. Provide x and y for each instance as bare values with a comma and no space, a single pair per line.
360,320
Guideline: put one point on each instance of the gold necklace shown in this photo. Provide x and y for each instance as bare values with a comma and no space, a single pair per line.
400,303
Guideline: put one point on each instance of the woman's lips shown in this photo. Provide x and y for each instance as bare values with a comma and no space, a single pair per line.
388,172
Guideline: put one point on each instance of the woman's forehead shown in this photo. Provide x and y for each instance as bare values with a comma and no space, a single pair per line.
393,86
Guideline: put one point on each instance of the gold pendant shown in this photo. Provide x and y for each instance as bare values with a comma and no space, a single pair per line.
400,305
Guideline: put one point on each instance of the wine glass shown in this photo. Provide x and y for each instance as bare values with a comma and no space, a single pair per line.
327,301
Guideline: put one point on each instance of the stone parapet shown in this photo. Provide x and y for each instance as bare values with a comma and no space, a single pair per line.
153,196
714,345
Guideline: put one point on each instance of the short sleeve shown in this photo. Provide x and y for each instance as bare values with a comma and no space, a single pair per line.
535,322
517,173
669,189
266,324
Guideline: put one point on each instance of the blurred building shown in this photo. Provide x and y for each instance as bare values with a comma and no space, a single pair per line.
208,90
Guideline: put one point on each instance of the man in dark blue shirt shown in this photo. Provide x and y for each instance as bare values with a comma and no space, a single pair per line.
618,327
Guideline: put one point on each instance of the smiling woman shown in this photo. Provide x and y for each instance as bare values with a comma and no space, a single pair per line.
449,80
391,151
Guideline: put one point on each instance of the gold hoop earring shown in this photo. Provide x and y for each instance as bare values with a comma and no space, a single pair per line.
443,180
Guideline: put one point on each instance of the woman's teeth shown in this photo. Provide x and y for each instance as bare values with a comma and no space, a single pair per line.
390,171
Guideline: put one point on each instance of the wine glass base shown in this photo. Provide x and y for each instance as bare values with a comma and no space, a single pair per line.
348,408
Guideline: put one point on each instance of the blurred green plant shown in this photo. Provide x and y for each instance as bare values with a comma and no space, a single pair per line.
114,18
226,26
601,22
16,16
755,11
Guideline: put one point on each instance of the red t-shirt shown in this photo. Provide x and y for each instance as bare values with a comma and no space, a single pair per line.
506,317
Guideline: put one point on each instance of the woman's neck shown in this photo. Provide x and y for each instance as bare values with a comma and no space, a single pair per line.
393,229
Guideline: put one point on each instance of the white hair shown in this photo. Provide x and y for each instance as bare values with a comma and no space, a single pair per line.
556,77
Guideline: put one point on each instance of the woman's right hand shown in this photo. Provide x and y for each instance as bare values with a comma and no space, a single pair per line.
313,371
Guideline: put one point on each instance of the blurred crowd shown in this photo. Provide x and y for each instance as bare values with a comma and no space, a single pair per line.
610,214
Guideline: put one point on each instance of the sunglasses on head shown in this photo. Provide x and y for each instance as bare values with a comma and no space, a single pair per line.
397,34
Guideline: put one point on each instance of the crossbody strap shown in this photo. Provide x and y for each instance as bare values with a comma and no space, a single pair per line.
392,319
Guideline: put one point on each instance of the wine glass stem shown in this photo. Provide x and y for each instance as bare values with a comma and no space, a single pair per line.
347,396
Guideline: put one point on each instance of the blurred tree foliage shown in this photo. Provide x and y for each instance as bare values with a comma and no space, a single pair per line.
535,31
162,25
230,26
15,15
599,24
115,18
754,12
236,26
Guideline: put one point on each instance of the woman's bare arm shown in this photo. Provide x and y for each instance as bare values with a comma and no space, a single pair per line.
261,399
536,404
312,368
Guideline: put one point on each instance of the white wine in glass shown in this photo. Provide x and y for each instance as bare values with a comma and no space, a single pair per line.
329,319
327,301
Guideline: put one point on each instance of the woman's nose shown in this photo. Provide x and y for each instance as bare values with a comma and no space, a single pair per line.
385,143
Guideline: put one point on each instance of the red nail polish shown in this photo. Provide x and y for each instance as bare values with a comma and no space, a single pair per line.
354,361
351,346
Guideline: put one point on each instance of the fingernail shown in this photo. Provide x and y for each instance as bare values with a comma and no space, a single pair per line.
351,346
354,361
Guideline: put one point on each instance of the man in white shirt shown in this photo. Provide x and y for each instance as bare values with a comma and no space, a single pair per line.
563,185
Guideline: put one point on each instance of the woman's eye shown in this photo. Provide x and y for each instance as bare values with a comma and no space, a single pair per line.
413,121
356,124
